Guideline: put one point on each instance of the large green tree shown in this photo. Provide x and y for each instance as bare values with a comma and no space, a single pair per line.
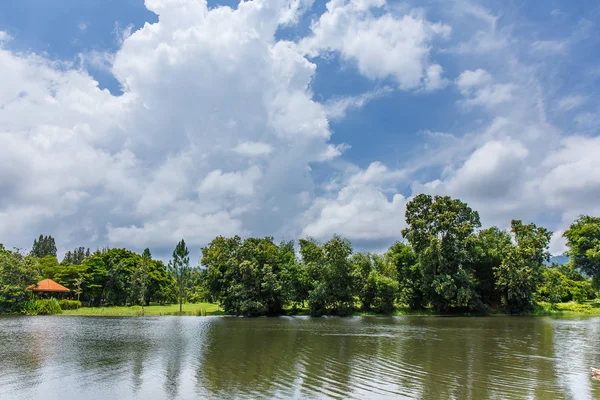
492,245
583,240
180,269
521,270
247,277
331,270
441,230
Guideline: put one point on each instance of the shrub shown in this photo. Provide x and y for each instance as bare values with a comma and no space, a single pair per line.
42,307
69,304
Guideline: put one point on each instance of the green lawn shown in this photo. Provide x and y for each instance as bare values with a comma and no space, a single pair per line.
201,309
197,309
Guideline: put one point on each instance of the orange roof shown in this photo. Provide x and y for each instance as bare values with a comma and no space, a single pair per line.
48,285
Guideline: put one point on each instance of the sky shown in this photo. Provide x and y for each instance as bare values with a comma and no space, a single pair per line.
130,123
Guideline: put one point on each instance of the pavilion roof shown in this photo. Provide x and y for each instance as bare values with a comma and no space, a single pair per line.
48,285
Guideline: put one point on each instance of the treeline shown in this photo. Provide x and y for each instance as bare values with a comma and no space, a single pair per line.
447,262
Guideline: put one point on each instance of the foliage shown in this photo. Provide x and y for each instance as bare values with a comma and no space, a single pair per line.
441,231
69,304
76,256
42,307
16,273
179,267
404,260
583,240
447,264
491,247
558,286
521,270
43,246
246,276
140,277
331,271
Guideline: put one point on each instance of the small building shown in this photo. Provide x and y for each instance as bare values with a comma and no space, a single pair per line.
48,287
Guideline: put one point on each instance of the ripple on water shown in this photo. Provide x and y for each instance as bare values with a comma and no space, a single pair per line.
186,357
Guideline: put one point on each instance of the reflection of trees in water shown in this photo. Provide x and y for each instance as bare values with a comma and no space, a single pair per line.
486,358
174,354
251,357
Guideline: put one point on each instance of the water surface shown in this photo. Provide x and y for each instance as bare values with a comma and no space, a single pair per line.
363,357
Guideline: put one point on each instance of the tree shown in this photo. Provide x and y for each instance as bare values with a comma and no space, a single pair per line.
408,274
441,231
140,277
520,273
491,248
77,256
374,283
43,246
16,273
77,284
179,267
333,290
583,240
247,277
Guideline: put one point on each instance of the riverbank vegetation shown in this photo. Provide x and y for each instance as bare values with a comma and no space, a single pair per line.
446,264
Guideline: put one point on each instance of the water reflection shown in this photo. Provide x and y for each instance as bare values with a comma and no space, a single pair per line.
189,357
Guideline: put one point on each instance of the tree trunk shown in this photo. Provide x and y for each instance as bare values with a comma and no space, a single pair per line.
180,298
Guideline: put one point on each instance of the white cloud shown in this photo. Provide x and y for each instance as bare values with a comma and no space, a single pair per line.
253,149
156,164
360,210
470,79
479,90
433,79
570,102
5,37
217,131
381,47
240,183
82,26
549,46
337,107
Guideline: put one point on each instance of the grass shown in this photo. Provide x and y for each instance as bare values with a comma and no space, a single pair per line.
196,309
591,308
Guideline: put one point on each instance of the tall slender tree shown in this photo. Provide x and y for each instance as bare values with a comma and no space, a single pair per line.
179,267
140,276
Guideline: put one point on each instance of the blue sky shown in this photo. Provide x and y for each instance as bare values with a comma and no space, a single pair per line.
132,124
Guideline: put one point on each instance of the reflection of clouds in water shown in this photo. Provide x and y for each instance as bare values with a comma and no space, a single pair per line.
576,347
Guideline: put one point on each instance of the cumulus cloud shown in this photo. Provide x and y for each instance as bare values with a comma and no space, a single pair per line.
360,209
381,46
162,161
479,90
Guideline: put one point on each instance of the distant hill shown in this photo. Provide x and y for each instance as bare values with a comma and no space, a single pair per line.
558,260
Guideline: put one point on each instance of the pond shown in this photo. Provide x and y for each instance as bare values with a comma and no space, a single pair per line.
363,357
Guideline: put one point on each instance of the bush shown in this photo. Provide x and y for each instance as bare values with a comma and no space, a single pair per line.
69,304
42,307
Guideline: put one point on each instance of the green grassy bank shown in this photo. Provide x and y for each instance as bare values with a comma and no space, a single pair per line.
197,309
204,309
